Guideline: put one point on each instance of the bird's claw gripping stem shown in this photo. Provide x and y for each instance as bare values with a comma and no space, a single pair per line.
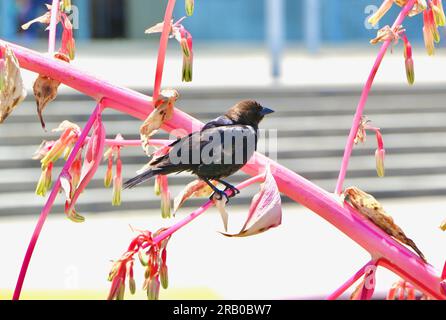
218,195
234,190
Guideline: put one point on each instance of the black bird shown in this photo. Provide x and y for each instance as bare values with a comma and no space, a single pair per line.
222,147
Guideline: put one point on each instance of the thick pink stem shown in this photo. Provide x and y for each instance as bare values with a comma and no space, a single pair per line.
163,48
364,96
53,27
291,184
202,209
49,204
350,281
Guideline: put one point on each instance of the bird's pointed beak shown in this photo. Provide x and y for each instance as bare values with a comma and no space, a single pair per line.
266,111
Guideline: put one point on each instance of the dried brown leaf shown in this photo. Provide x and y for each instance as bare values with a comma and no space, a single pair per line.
368,206
13,91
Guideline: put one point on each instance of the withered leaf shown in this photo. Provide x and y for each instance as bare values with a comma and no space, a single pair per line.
45,90
13,91
164,108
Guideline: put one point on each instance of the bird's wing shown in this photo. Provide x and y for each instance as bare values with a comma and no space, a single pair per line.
218,122
235,142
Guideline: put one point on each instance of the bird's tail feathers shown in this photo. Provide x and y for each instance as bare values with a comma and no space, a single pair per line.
142,177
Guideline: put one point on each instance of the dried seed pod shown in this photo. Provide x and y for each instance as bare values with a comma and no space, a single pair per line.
45,90
368,206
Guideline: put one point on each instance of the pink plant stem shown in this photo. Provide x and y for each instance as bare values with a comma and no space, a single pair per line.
364,96
350,281
290,183
53,27
165,234
163,48
49,204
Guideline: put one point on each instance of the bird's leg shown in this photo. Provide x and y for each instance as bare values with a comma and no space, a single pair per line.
229,186
220,194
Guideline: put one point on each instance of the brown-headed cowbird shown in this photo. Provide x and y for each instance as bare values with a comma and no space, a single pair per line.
222,147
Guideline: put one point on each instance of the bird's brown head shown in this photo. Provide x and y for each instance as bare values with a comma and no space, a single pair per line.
248,112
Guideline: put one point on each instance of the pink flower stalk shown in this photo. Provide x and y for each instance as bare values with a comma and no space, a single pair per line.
162,49
352,280
291,184
397,259
366,288
50,202
364,97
